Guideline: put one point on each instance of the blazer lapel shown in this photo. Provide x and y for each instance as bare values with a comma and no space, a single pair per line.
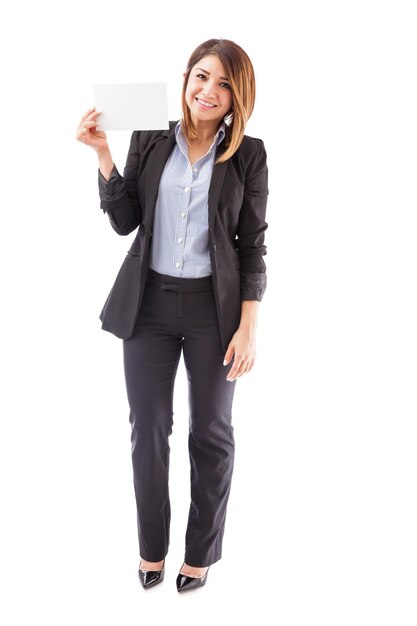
216,184
157,161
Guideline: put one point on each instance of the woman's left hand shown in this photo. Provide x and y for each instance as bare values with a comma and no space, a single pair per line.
243,347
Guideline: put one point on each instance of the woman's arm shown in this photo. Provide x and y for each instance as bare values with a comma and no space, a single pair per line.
105,163
252,226
118,194
251,249
243,343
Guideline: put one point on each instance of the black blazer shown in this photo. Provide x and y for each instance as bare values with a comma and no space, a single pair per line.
236,213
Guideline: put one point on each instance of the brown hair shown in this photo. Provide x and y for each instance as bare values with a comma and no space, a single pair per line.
241,75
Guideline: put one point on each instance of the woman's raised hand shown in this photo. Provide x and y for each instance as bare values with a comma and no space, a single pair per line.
87,131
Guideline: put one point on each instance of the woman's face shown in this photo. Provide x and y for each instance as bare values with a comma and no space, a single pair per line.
208,93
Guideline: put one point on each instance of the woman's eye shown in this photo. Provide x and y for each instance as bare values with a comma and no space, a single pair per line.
226,85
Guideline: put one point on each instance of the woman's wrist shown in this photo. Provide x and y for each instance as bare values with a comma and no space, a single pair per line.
249,315
105,163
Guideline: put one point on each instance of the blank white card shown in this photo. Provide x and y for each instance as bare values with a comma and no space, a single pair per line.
132,106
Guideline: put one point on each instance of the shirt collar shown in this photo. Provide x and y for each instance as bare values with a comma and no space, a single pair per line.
180,138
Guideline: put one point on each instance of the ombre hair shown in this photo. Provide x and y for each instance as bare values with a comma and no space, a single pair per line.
241,75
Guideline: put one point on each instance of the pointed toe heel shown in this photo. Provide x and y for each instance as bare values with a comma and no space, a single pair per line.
187,583
150,578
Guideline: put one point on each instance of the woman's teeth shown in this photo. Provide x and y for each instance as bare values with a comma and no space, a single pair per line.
206,104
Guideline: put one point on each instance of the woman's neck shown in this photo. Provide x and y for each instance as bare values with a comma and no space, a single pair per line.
206,132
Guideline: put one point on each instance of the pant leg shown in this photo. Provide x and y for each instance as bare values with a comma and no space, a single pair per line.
151,357
211,441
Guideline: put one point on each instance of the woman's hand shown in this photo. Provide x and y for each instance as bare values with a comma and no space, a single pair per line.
87,131
243,347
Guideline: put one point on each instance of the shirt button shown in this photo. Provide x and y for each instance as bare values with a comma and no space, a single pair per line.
179,239
177,264
187,189
195,170
183,214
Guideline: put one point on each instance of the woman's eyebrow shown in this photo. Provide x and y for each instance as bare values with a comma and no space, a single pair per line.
221,77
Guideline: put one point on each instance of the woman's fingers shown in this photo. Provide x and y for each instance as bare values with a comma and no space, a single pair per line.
84,128
90,123
86,114
236,368
89,116
81,133
240,367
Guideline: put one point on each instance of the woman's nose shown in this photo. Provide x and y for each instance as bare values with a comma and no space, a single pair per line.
208,90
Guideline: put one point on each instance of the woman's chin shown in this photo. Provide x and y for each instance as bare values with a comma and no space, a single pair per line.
205,116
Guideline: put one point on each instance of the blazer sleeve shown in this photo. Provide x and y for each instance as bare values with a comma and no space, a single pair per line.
119,196
251,227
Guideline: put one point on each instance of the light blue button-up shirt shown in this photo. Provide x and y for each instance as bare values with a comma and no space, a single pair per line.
180,236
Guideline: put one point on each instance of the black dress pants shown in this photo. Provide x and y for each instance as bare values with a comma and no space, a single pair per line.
179,314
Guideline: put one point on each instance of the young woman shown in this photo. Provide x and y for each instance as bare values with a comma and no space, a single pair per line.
191,282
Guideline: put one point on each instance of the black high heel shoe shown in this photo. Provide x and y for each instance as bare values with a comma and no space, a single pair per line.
150,578
186,583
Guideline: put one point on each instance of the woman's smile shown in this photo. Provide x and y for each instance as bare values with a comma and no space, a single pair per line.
204,104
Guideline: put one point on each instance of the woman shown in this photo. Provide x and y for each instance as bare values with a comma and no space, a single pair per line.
191,281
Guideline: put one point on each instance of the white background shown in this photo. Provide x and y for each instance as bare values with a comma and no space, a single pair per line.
322,515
